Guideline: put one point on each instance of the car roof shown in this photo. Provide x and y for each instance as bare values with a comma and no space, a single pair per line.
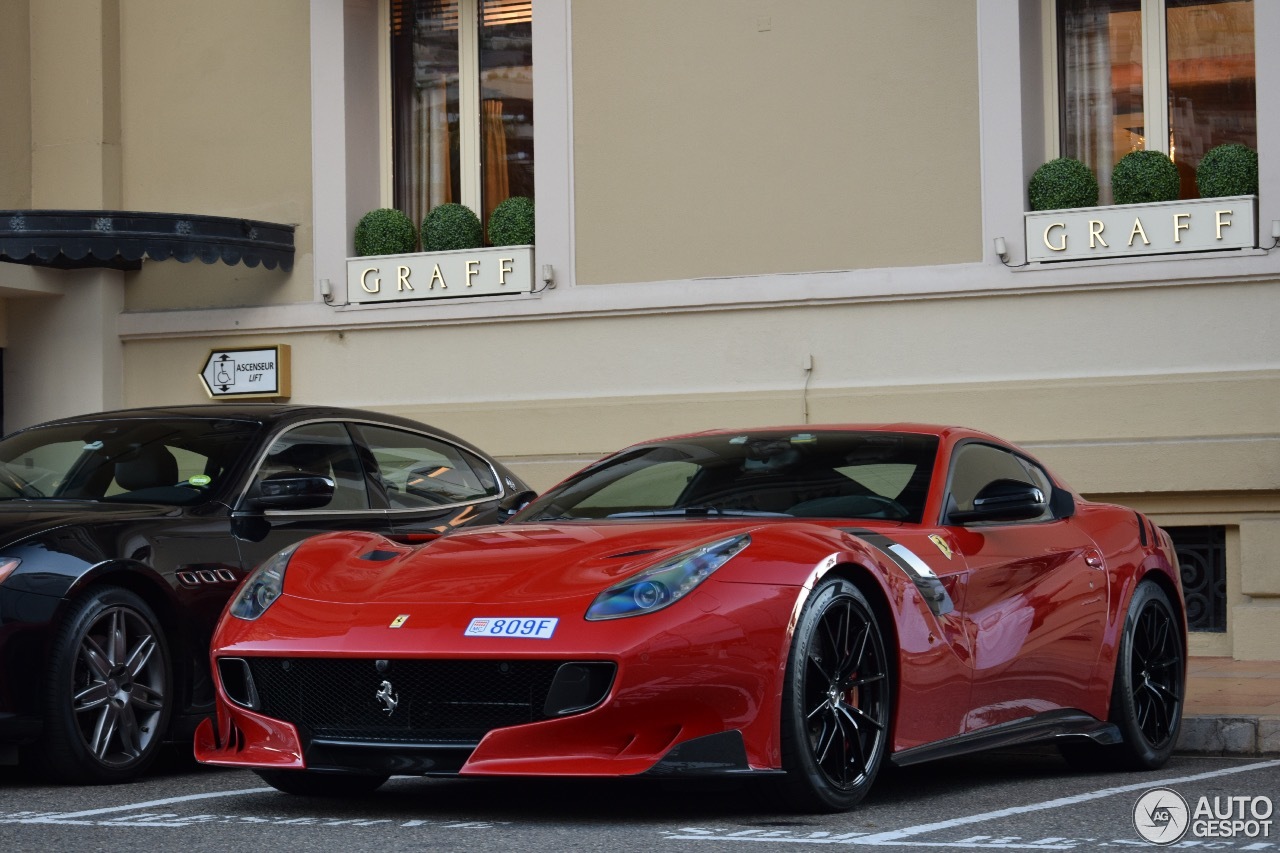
272,414
940,430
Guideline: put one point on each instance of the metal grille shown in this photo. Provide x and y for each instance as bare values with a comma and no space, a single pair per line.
1202,554
435,701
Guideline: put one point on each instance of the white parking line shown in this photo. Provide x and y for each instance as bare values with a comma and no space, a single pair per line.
74,816
896,834
905,837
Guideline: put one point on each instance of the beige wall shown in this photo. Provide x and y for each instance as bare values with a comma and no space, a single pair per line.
1121,388
215,115
15,94
737,138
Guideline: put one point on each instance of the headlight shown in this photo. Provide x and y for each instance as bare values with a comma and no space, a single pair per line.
667,582
262,587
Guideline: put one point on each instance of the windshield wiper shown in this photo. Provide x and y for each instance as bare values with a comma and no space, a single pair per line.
19,485
696,512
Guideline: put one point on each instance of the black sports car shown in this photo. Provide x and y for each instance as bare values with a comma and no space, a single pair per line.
122,534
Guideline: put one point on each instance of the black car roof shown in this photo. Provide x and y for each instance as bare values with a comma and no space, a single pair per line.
272,414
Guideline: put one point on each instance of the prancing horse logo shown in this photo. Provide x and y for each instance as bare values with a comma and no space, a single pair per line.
388,699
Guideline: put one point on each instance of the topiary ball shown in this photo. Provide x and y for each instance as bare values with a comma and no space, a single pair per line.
1062,183
451,226
1230,169
385,231
1142,177
511,223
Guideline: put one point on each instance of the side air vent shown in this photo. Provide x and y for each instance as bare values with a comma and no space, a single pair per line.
237,680
578,686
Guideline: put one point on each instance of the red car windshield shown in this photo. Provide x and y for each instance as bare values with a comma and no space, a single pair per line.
819,474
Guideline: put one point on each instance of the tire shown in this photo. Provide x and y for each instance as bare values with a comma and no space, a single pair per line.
836,701
1148,691
109,695
306,783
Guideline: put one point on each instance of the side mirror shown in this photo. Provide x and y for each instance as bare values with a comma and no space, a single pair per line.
513,503
1003,500
293,491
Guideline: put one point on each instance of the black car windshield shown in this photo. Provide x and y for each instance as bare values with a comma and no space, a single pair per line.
819,474
174,461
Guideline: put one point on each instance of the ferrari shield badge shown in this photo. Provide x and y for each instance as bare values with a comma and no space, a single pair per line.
399,620
936,540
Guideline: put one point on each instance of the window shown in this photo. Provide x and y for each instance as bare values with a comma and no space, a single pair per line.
1202,556
976,465
1167,75
323,449
417,471
462,103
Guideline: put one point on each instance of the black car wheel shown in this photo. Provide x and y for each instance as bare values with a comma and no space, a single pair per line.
1149,688
108,698
836,701
306,783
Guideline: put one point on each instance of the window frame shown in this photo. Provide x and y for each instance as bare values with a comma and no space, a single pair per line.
1053,502
1018,118
1155,87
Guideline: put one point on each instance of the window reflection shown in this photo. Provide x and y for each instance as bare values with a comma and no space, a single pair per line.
462,80
1211,81
1209,74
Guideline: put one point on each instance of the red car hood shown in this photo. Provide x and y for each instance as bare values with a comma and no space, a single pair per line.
492,565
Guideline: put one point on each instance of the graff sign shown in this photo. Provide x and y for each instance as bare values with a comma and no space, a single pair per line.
440,275
1194,225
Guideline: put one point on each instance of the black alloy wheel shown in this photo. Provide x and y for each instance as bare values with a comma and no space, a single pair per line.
109,696
1148,693
1149,689
836,701
309,783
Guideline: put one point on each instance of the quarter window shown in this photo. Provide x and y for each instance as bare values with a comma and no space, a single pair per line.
1165,75
417,471
462,103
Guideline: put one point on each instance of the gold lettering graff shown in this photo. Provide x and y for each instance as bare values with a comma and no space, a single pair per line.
1222,223
473,270
364,281
436,275
1095,234
1062,247
1138,229
1179,226
503,269
402,279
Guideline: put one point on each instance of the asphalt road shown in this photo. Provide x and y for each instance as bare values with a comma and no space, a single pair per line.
1014,801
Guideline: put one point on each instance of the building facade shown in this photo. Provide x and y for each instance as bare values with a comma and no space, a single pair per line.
749,212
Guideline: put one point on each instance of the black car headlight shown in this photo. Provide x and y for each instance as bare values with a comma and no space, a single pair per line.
262,587
667,582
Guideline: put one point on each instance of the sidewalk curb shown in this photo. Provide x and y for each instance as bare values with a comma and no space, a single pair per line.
1221,735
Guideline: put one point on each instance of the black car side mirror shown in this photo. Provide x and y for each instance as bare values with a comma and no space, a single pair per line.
293,491
513,503
1003,500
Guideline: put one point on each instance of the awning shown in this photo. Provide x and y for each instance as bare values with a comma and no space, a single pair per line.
119,239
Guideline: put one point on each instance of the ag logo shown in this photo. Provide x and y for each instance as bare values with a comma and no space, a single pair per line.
1161,816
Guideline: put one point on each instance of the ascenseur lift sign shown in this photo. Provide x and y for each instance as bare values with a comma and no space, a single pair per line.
260,373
